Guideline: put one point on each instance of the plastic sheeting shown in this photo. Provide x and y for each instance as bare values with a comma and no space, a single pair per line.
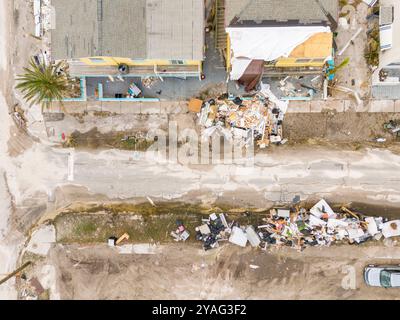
265,43
386,37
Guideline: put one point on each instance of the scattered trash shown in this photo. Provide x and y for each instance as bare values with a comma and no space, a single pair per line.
125,236
238,237
195,105
252,237
298,228
252,266
380,140
393,127
34,283
180,234
149,82
391,229
111,241
151,201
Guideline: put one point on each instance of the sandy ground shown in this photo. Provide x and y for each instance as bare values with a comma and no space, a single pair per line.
187,272
8,253
356,75
17,185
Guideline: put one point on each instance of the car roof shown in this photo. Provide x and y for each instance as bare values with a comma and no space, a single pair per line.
395,279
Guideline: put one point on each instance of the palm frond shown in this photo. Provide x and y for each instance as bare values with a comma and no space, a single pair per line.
43,84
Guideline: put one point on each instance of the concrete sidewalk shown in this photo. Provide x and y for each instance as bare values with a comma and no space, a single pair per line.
344,106
120,107
176,107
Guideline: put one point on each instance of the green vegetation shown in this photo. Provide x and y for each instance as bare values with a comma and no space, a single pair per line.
344,63
143,222
43,84
372,51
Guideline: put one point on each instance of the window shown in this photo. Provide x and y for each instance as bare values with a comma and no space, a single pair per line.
96,60
385,278
319,60
177,62
303,60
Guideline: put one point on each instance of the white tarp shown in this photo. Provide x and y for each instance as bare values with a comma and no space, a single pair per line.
266,43
386,37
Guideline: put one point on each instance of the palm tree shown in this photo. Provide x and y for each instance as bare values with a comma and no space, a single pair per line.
43,83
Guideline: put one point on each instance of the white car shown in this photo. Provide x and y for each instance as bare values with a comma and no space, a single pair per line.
382,276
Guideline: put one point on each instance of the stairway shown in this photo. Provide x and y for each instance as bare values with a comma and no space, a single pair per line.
220,34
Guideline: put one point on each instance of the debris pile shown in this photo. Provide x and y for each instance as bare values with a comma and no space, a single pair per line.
30,289
298,228
214,229
245,120
300,86
149,82
180,234
393,127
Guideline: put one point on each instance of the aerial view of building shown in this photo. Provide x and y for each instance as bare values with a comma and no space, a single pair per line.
211,150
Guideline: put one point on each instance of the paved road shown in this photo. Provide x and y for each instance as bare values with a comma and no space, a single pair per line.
374,173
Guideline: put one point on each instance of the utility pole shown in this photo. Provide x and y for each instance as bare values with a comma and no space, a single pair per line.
12,274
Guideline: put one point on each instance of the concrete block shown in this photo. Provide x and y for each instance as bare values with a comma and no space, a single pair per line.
321,105
382,106
349,105
56,107
112,106
397,106
76,107
299,107
94,106
183,106
364,107
130,107
150,107
169,107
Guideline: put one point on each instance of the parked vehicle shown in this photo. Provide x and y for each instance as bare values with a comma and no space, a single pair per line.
382,276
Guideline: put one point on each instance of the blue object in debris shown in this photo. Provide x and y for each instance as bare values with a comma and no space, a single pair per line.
331,66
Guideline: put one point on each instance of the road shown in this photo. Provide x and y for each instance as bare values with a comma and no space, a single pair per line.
374,174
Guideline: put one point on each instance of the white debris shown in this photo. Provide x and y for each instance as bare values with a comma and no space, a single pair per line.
151,201
355,233
335,223
283,213
252,236
204,229
321,208
238,237
391,229
42,240
371,226
314,221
